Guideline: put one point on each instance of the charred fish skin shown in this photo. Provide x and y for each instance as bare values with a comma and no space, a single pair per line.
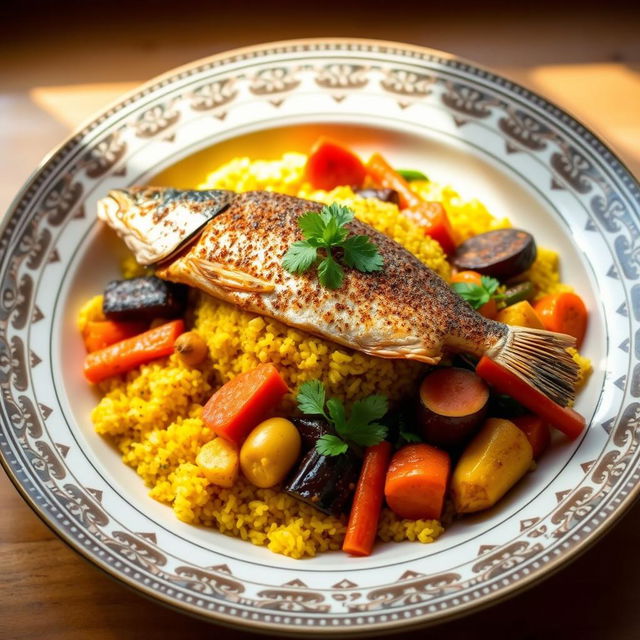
155,222
404,311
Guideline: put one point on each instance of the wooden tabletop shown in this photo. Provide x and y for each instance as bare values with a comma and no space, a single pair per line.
53,76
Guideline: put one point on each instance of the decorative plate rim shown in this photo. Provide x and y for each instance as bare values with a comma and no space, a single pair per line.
524,582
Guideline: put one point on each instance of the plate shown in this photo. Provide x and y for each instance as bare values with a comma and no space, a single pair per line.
463,125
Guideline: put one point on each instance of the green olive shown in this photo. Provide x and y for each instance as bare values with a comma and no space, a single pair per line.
268,454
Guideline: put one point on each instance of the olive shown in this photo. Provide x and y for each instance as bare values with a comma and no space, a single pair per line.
269,452
191,348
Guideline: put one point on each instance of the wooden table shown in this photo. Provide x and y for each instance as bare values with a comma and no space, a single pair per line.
587,62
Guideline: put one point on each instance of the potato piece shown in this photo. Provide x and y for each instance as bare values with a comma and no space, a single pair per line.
521,314
219,461
269,452
492,463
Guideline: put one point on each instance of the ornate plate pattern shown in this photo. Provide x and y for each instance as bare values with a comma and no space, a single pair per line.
46,441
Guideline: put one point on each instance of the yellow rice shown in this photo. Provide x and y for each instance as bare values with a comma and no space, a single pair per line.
153,413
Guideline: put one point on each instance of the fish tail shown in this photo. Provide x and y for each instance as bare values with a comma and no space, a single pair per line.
541,359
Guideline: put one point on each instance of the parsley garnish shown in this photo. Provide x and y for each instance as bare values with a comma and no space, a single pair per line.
326,231
411,174
360,428
477,295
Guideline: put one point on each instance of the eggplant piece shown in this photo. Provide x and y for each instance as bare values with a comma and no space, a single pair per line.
325,482
310,430
501,254
144,298
386,195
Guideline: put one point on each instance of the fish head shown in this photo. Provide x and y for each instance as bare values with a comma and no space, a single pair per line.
156,222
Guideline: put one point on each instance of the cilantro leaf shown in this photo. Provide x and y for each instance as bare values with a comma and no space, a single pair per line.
300,256
411,174
330,445
330,273
410,437
337,415
311,397
490,284
337,212
359,429
477,294
326,230
474,294
368,435
362,254
367,410
311,224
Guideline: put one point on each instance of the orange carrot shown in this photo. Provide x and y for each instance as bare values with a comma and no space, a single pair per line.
331,164
563,313
566,420
242,403
537,432
416,481
367,501
489,309
128,354
100,334
430,216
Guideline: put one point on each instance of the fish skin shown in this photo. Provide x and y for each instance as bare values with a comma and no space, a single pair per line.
404,311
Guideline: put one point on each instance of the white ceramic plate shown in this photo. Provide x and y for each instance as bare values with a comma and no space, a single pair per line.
522,156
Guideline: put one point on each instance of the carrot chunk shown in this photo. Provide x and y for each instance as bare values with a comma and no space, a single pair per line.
367,501
430,216
566,420
331,165
244,402
563,313
537,432
100,334
416,481
131,352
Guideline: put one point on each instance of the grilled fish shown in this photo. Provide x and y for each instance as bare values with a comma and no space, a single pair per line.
404,311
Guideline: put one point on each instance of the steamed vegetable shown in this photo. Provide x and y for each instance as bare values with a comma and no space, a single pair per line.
412,174
502,253
311,429
453,402
269,452
240,404
490,465
416,481
219,462
566,420
520,314
367,501
331,164
326,232
325,482
563,313
102,333
131,352
478,290
430,216
537,432
143,299
518,293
